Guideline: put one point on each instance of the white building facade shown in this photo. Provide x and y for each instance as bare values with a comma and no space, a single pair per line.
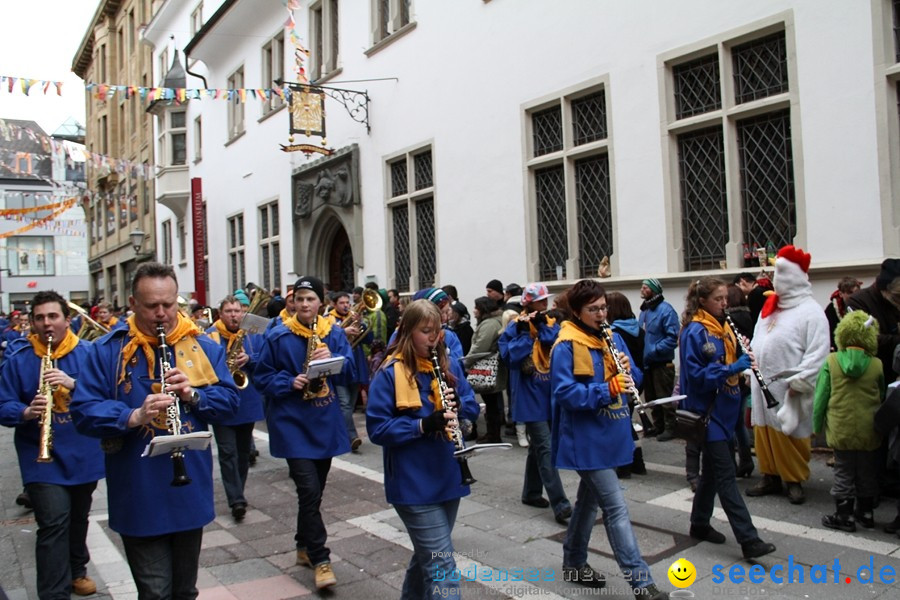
503,140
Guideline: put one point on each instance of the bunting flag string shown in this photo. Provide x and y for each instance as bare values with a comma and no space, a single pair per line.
39,222
25,84
9,212
300,52
24,250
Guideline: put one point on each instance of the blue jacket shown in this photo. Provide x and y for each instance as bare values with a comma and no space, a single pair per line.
76,458
660,325
591,430
418,469
250,409
531,392
299,428
702,379
141,501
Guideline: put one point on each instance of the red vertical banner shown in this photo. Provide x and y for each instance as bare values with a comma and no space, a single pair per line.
199,228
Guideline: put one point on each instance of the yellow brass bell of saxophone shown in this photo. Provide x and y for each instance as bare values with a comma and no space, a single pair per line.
45,441
241,380
370,300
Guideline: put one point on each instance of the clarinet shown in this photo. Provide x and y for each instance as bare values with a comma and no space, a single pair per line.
771,402
173,411
455,435
606,332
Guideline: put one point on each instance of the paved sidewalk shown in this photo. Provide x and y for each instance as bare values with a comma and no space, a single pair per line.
495,535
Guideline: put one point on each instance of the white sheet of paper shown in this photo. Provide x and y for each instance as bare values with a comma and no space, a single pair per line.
164,444
665,400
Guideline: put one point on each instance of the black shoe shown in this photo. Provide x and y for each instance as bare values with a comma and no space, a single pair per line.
838,521
893,526
651,592
707,534
769,484
649,432
665,436
239,510
757,548
537,502
795,493
744,469
254,454
863,513
562,517
24,499
623,472
583,575
638,467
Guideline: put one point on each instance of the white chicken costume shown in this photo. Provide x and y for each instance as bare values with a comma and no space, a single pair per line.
792,333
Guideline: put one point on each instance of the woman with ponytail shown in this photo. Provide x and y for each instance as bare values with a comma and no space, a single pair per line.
407,413
592,436
710,376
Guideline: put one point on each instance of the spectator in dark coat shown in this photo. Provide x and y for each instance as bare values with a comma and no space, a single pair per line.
460,325
882,301
837,304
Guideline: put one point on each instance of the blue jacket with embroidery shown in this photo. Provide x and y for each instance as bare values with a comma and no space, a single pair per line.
250,409
531,392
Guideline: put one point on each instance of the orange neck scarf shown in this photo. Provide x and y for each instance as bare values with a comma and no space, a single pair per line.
60,348
406,392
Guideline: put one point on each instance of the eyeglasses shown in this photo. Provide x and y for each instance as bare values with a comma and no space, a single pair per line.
593,310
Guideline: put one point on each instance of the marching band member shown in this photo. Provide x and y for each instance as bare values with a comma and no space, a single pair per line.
592,435
287,312
119,399
308,433
234,436
105,317
525,347
358,373
60,490
710,371
407,415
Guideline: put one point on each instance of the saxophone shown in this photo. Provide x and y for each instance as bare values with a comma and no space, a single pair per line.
237,346
45,441
173,411
313,387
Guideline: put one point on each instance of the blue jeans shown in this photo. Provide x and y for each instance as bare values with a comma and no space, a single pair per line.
717,477
539,469
233,442
309,477
347,396
431,568
61,553
164,567
602,488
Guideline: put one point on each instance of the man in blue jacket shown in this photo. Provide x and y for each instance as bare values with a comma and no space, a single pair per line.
660,324
61,479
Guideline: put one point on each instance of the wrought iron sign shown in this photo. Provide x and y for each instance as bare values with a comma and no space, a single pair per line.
307,112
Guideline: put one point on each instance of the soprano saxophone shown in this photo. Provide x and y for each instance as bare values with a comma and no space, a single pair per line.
45,442
173,411
313,387
455,435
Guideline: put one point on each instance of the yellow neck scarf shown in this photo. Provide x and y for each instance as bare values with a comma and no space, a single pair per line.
720,331
182,341
406,392
323,328
109,324
581,342
540,356
60,348
285,315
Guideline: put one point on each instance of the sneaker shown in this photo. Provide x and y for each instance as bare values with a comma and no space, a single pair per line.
795,493
706,534
84,586
757,548
355,444
769,484
583,575
651,592
520,435
665,436
239,510
324,576
303,558
24,499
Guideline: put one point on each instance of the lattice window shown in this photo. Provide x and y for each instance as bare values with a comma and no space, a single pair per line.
425,247
595,236
422,170
697,88
398,178
896,10
767,179
704,211
589,118
546,128
550,192
760,68
348,281
400,215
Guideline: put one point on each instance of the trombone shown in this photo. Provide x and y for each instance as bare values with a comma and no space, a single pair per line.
90,329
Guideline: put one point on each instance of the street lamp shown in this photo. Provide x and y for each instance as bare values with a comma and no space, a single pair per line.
137,240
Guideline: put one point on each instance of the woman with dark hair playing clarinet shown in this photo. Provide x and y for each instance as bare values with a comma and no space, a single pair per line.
413,412
710,372
592,436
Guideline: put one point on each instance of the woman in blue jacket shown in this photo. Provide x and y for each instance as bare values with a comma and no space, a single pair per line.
407,415
710,377
592,435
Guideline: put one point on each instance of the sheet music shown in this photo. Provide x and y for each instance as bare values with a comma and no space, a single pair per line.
325,367
165,444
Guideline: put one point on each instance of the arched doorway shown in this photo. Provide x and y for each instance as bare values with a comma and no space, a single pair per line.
341,271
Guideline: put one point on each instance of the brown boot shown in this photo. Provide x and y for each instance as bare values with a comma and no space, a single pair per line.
84,586
769,484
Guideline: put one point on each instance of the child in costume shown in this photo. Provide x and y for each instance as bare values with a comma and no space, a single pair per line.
849,391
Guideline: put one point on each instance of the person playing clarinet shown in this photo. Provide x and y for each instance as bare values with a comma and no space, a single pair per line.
415,418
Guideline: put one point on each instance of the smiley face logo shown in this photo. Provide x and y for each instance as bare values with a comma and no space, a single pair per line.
682,573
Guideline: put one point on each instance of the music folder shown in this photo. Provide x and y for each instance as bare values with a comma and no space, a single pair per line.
665,400
325,367
166,444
